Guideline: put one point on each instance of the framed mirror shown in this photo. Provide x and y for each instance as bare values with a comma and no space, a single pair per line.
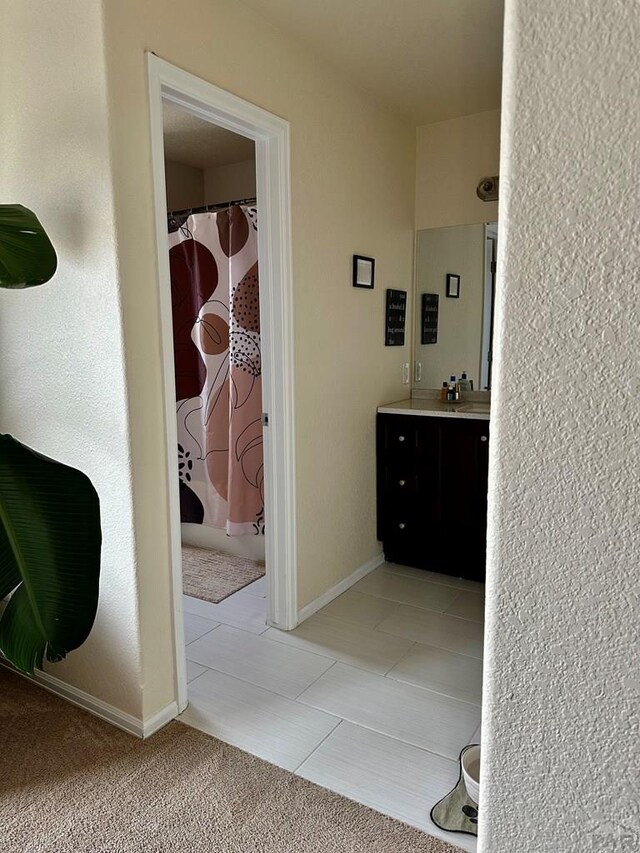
454,304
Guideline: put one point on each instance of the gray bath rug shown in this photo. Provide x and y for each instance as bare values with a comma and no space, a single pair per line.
214,576
456,812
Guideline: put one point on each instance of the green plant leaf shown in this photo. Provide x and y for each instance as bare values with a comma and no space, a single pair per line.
27,257
50,542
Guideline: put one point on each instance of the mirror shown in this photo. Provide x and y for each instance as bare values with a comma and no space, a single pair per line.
453,304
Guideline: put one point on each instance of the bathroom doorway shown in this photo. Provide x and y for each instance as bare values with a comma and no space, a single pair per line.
223,238
212,229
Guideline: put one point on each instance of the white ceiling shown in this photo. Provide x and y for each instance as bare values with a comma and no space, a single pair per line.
191,140
429,59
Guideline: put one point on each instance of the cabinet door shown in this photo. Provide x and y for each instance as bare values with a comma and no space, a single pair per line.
464,468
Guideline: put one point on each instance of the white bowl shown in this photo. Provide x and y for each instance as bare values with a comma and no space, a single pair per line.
471,772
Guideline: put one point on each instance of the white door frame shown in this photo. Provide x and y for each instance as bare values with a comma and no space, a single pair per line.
271,136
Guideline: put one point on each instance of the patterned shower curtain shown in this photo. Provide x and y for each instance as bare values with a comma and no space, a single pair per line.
216,334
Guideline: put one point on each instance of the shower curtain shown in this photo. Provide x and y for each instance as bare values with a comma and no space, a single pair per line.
213,258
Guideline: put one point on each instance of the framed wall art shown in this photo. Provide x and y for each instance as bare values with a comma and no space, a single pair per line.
453,285
363,271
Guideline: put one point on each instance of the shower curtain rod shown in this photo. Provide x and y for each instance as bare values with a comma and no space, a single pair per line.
205,208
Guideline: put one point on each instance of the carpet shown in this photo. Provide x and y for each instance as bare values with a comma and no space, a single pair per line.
71,783
214,576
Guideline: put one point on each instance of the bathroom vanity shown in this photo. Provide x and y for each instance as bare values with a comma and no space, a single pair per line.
432,456
432,485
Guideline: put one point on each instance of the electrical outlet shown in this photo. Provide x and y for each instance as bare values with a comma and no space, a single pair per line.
406,373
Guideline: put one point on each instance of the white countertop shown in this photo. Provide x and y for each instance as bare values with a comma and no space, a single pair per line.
434,408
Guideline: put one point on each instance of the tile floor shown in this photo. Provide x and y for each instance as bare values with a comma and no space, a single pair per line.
373,697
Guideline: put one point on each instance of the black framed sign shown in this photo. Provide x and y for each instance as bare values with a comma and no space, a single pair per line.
363,271
395,318
429,318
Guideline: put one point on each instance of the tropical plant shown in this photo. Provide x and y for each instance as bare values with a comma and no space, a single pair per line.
50,536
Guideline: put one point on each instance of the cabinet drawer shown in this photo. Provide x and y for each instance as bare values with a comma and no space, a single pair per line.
399,437
399,482
408,522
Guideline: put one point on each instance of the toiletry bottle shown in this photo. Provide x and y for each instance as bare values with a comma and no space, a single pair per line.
465,384
451,391
443,392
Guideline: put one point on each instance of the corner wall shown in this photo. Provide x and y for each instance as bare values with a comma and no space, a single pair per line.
62,383
562,695
185,185
451,157
230,183
352,179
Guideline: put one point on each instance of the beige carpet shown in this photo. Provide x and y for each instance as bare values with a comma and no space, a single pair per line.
70,783
214,576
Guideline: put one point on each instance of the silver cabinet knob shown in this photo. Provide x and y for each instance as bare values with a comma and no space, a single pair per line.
400,438
483,438
401,525
401,482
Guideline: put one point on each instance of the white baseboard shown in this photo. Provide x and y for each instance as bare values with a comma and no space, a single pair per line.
339,588
152,724
109,713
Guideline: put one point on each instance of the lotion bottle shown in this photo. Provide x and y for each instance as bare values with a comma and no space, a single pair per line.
465,384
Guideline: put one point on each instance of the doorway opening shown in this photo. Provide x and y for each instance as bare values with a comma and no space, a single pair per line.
215,291
223,237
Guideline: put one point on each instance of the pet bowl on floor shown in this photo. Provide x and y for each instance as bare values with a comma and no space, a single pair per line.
471,772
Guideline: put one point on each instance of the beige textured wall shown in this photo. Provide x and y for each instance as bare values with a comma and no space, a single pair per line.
561,690
230,183
185,185
352,192
451,250
451,157
62,384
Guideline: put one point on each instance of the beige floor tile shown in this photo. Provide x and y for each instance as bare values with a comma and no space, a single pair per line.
394,778
248,612
433,577
410,714
194,670
277,667
196,626
359,608
404,590
436,629
279,730
344,641
469,605
445,672
257,588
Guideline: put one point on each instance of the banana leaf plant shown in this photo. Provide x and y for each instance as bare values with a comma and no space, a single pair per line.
50,535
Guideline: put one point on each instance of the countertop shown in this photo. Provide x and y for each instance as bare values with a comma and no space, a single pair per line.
434,408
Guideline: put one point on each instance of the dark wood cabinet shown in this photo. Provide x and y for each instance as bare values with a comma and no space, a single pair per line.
432,492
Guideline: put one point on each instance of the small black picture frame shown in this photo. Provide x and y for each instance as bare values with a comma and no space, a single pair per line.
453,285
363,271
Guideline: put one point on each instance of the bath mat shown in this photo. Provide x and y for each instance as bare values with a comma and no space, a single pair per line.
456,812
214,576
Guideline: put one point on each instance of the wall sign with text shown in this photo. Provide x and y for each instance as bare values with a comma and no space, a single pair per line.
395,318
429,324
